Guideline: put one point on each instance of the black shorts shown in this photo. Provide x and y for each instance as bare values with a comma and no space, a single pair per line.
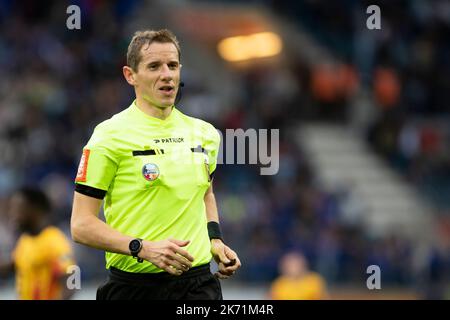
196,284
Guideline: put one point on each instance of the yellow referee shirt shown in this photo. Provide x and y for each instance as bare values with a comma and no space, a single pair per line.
152,175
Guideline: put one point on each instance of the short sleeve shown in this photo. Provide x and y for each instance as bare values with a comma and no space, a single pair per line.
212,145
98,164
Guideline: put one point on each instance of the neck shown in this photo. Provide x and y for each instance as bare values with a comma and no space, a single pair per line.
152,110
37,228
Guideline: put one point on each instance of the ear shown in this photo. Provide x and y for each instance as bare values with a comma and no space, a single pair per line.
128,73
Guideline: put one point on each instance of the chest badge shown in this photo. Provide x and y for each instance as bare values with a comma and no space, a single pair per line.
150,171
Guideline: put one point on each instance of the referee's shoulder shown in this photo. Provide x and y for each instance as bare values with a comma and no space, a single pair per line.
113,124
200,123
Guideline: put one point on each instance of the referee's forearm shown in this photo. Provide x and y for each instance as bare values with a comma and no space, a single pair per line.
86,228
93,232
212,214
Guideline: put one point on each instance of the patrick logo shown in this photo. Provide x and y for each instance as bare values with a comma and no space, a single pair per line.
150,171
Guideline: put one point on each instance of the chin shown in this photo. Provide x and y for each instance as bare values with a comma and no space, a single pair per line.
166,104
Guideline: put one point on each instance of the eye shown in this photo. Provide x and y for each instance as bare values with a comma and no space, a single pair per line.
153,66
173,65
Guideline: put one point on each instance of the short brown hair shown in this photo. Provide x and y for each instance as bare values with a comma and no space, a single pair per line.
141,38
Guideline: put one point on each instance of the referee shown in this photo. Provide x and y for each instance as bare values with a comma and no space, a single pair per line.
153,167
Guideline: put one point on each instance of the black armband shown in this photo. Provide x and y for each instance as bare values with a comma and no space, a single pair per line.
214,231
90,191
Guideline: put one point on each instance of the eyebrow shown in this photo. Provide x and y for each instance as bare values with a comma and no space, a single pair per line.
159,62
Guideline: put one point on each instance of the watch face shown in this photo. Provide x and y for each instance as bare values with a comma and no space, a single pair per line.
135,245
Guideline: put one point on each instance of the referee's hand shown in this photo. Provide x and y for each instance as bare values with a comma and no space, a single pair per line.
168,255
227,260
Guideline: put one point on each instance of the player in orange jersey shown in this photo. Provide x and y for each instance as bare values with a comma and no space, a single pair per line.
42,253
296,281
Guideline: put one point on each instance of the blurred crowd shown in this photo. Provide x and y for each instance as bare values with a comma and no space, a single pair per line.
405,65
57,85
265,216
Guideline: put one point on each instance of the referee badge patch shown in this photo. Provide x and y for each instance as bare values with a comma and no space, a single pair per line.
150,171
82,168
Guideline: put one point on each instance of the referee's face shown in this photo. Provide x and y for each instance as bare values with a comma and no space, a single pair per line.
158,74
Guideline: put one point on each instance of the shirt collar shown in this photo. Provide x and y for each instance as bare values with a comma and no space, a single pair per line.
153,120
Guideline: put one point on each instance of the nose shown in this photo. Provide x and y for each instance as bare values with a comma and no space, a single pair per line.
166,73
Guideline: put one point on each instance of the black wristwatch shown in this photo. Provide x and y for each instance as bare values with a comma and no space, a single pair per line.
135,247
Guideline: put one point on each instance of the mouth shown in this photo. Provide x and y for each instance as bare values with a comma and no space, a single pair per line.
167,90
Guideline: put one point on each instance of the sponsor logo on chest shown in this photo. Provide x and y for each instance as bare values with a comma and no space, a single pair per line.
169,140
